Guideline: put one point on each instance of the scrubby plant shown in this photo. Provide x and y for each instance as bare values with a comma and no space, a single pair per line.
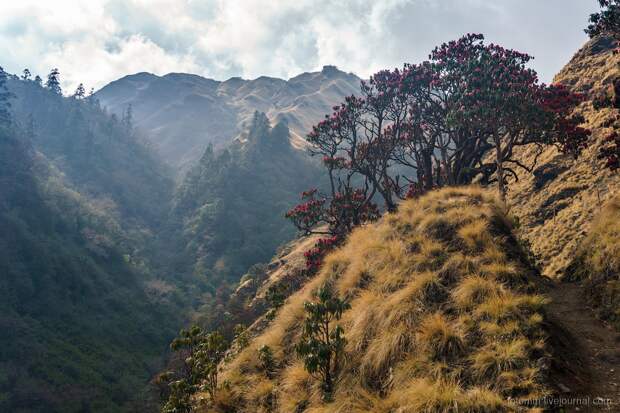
241,336
266,359
275,297
322,342
201,353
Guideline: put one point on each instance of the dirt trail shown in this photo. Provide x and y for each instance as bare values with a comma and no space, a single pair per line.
587,359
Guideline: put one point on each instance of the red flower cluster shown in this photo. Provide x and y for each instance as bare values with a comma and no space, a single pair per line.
308,214
314,257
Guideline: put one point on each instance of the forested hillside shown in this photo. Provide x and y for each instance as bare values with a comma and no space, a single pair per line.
232,203
81,200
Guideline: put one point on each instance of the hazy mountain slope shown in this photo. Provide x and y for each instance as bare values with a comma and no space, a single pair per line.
231,204
557,204
443,314
79,332
96,153
85,318
182,113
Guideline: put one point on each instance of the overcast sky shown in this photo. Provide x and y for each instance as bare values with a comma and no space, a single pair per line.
97,41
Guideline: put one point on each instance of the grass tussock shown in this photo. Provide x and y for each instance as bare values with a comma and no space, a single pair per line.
439,321
598,263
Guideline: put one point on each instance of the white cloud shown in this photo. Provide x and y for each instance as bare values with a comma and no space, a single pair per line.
97,41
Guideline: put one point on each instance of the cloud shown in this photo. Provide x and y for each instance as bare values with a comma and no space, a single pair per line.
98,41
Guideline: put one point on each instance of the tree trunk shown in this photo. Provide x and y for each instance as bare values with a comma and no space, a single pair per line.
500,170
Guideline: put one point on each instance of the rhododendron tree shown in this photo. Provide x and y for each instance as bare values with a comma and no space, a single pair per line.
607,21
453,119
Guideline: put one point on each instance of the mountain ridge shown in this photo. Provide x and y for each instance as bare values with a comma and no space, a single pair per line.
182,113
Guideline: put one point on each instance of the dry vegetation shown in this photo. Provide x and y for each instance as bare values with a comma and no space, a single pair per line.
444,318
556,204
598,263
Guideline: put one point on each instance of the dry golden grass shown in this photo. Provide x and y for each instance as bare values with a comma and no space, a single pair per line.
598,263
439,321
440,339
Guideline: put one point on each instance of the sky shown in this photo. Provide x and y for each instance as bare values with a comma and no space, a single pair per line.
98,41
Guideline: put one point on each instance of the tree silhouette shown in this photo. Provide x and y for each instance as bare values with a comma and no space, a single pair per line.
80,92
53,82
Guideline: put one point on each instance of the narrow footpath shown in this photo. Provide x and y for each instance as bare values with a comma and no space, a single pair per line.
587,351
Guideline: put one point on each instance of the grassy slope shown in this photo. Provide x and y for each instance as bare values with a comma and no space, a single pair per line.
557,204
598,263
443,314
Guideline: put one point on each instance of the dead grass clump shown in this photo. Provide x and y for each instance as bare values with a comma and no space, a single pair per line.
429,288
456,267
382,353
440,339
439,227
475,236
503,272
509,306
498,357
474,290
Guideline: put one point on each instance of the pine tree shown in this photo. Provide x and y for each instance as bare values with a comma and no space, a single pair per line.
80,92
53,82
26,74
38,80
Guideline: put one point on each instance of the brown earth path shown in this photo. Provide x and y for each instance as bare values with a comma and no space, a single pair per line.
587,359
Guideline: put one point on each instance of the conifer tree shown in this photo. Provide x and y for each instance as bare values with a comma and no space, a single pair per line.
80,92
53,82
26,74
38,80
322,343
